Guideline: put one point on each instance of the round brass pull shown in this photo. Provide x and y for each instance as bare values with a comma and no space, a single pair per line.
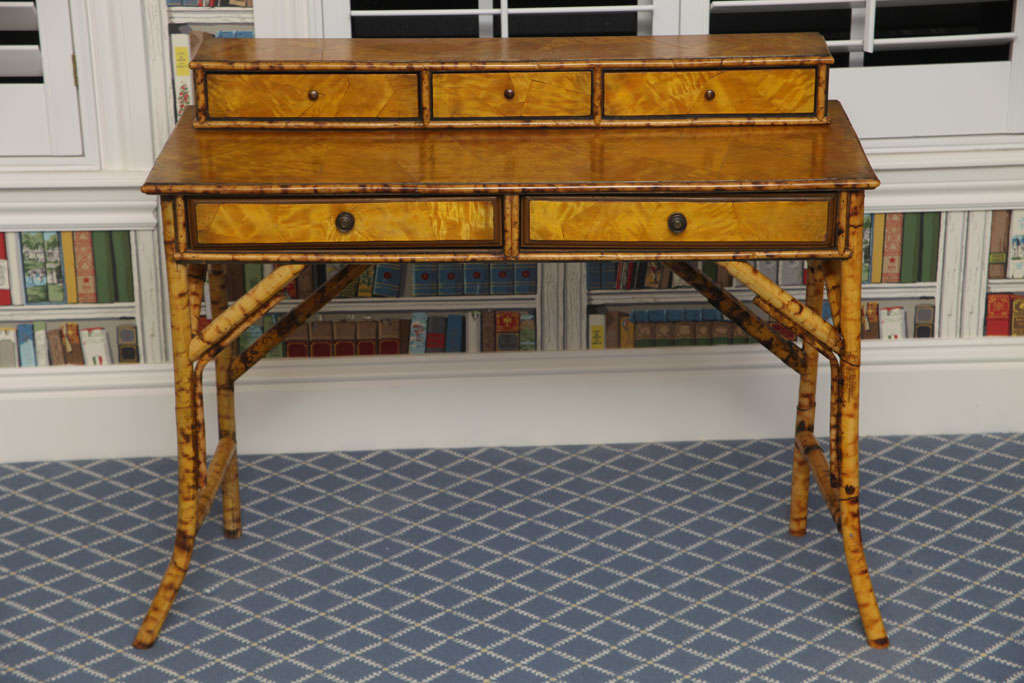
509,93
677,223
345,221
314,95
709,94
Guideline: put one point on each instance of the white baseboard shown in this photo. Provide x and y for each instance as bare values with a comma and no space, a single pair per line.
918,387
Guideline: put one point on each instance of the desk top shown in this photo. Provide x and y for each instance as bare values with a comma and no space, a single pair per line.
727,158
278,54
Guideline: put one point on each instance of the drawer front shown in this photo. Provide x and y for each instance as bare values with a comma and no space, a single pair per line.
804,221
312,96
393,223
734,92
526,94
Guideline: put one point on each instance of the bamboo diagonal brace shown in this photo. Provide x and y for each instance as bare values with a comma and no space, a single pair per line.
808,445
274,336
798,314
243,309
731,308
222,456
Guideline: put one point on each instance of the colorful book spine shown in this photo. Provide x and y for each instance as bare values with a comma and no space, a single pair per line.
364,288
183,92
593,275
924,321
128,344
910,254
436,326
488,336
124,282
627,332
596,333
611,328
389,337
103,258
1015,256
997,314
26,345
869,235
526,278
892,247
502,279
321,339
877,246
39,336
476,279
506,330
296,344
931,229
73,345
418,332
54,267
96,346
33,268
344,337
609,269
998,245
892,323
1017,316
527,332
870,329
453,335
367,333
8,347
85,269
424,279
5,274
474,330
55,346
387,279
67,253
450,279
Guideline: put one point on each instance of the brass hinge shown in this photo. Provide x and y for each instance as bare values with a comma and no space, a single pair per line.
74,68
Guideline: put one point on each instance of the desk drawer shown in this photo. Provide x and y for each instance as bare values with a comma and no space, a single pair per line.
711,92
388,223
689,223
312,96
511,94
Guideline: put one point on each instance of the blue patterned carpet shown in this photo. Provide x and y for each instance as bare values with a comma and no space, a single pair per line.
638,562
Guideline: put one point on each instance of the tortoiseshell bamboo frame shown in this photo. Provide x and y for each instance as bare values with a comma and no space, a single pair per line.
839,342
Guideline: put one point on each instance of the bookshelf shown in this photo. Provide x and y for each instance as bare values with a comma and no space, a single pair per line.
965,177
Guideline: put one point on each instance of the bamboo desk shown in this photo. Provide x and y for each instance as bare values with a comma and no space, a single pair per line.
452,189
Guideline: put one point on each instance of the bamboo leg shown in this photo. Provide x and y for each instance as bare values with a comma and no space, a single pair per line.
231,501
188,467
849,413
805,413
835,454
196,281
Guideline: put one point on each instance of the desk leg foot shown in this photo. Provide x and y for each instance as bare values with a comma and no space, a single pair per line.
849,319
165,594
805,412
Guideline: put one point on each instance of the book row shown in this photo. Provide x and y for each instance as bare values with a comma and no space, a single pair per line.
1006,246
81,267
616,329
394,280
901,247
68,343
1004,315
475,331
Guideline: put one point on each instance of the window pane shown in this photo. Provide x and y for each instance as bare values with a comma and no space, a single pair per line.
398,26
583,24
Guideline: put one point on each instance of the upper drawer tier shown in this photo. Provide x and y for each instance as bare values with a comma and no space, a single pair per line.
349,223
510,82
511,94
709,92
312,96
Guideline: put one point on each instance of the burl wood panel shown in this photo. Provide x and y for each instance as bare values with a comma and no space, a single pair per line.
277,53
546,94
465,161
682,93
389,221
708,221
390,96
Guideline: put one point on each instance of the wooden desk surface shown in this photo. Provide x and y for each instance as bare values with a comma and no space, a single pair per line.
410,53
487,160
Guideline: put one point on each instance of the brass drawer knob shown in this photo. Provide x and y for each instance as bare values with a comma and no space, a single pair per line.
345,221
509,93
709,94
314,95
677,223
